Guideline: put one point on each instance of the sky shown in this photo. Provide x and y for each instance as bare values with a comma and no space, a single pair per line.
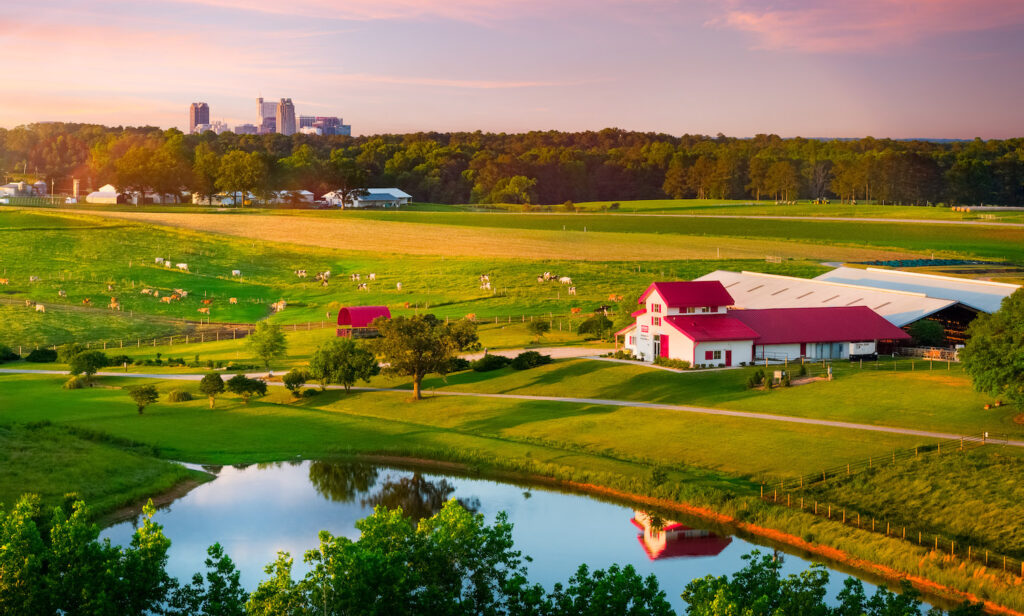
812,68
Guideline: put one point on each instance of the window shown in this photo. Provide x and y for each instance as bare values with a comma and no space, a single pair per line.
655,320
712,355
656,308
705,309
717,355
690,310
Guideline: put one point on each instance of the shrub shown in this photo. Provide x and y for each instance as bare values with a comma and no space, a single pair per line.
490,362
294,380
678,364
597,326
42,356
802,371
458,364
623,355
179,395
75,382
119,360
614,206
530,359
6,354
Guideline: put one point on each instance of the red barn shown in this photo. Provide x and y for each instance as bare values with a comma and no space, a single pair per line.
356,321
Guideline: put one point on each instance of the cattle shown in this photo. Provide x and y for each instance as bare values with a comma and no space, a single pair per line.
181,292
575,310
40,308
182,266
156,293
484,278
207,302
204,311
232,300
62,293
34,279
540,279
175,297
87,302
236,272
362,286
471,316
373,276
572,290
486,286
167,264
398,286
5,281
29,303
113,300
114,306
110,287
278,306
324,283
146,291
158,260
300,273
354,277
167,300
548,276
565,280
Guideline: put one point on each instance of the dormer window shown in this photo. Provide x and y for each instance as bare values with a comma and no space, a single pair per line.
656,308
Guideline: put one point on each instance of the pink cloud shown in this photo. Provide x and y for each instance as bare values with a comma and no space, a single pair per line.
863,25
365,10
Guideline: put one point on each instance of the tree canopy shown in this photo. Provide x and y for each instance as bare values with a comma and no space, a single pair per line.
267,342
994,353
420,345
342,361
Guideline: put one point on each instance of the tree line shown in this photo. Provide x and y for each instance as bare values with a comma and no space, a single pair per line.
548,167
452,563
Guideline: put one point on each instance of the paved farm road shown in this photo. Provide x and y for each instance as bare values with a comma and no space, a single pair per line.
682,408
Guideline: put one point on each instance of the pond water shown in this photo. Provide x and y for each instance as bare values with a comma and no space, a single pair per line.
256,511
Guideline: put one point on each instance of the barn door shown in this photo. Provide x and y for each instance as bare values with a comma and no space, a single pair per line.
728,357
664,345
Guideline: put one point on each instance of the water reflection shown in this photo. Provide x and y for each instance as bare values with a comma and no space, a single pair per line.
417,496
663,538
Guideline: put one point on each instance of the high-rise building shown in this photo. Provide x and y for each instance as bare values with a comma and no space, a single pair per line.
286,117
323,125
198,113
245,129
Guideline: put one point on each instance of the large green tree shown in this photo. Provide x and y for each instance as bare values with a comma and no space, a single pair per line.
994,353
241,173
267,342
211,385
420,345
342,361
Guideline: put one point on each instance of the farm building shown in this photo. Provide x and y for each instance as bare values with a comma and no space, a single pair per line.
752,290
670,539
357,321
979,295
374,197
23,189
692,321
107,194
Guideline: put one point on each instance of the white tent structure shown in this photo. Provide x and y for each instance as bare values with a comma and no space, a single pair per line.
981,295
107,194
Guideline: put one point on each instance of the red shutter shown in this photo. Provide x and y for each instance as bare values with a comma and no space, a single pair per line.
709,354
664,345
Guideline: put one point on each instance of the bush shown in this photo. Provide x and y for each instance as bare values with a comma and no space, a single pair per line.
802,371
458,364
119,360
294,380
75,382
42,356
597,326
530,359
623,355
678,364
6,354
179,395
490,362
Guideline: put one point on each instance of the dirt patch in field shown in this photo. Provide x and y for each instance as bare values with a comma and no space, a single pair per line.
377,236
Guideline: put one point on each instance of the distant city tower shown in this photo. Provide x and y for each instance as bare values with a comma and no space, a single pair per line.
198,113
286,117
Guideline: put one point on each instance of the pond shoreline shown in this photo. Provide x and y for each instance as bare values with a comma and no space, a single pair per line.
871,568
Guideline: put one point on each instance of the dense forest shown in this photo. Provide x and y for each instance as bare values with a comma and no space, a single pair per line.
537,167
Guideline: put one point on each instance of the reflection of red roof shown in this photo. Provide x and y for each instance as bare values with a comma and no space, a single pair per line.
839,324
710,327
362,316
704,544
690,293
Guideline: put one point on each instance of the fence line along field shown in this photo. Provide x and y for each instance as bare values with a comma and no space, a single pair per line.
114,272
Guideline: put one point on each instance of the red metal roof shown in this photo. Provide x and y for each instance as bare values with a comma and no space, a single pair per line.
838,324
626,329
690,293
362,316
709,327
637,313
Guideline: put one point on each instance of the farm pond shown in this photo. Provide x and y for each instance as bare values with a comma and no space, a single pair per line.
259,510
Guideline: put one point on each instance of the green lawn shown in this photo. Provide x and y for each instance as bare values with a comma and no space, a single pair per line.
51,461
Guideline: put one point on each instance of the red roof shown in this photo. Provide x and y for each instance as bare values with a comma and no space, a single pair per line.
709,327
838,324
638,312
692,293
362,316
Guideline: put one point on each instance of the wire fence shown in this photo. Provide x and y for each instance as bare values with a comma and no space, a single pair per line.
786,493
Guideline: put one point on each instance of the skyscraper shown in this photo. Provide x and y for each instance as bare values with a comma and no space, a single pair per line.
198,113
286,117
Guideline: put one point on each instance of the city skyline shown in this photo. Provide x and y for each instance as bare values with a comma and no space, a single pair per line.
918,68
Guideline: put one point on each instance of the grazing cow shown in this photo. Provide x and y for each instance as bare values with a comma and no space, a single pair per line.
300,273
62,293
204,310
207,302
114,306
40,308
236,272
278,306
484,278
565,280
182,266
232,300
486,286
548,276
175,297
34,279
572,290
167,264
5,281
158,260
576,310
373,276
29,303
471,316
113,300
146,291
156,293
540,279
181,292
406,305
324,283
167,299
363,287
110,287
398,286
87,302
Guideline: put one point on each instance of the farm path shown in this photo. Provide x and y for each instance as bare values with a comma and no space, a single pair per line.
844,425
914,221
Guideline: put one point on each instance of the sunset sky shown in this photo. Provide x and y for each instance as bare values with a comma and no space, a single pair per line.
887,68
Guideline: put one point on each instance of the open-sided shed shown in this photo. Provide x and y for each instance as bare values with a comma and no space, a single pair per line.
357,321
